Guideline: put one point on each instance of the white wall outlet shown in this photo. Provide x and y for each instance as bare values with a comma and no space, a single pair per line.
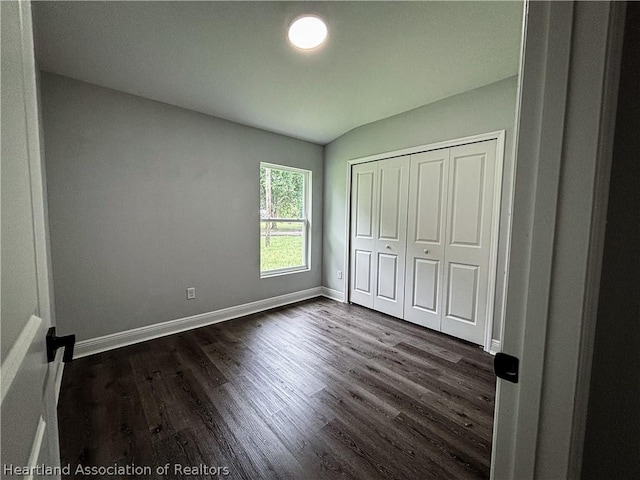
191,293
339,274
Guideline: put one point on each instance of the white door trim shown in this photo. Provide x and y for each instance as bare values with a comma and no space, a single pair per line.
567,103
611,81
454,142
499,136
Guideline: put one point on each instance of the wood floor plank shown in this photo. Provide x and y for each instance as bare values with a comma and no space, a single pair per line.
157,397
398,454
381,360
272,457
187,348
364,457
185,447
315,390
417,409
311,451
78,421
213,428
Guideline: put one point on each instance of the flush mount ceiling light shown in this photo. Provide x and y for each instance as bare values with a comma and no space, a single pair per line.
307,32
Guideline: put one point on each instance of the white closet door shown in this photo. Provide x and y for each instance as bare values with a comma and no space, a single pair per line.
363,233
428,186
468,240
391,235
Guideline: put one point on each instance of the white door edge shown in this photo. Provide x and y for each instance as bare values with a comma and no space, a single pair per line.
35,449
18,352
565,135
607,120
495,239
36,167
58,371
30,404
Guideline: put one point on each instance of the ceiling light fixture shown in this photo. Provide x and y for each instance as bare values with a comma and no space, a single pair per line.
307,32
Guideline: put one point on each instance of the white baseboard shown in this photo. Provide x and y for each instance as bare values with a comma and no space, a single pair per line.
141,334
332,294
495,347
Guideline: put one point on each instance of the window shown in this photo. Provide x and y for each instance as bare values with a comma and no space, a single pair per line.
284,219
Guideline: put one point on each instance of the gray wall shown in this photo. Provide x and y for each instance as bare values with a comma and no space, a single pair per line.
612,443
146,199
482,110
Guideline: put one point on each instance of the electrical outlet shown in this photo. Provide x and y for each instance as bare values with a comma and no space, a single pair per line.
339,274
191,293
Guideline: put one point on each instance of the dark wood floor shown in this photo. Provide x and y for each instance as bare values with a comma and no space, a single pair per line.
317,390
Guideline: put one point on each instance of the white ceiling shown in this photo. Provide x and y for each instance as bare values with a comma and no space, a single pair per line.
232,60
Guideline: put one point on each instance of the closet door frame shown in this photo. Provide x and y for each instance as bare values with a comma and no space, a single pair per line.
499,136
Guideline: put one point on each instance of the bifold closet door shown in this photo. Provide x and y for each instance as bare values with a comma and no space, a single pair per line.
391,235
378,234
421,231
469,223
364,180
428,186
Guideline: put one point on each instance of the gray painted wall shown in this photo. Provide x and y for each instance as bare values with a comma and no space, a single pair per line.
482,110
147,199
612,441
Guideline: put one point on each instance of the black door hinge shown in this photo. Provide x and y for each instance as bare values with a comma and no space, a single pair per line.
506,367
54,343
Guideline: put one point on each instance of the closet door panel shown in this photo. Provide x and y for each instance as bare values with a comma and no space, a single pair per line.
427,204
388,278
390,193
428,196
363,228
426,284
463,292
362,272
393,175
468,240
468,193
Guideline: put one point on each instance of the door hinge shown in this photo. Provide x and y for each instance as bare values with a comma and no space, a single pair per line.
54,343
506,367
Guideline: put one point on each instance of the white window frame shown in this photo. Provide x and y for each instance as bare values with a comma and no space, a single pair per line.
305,220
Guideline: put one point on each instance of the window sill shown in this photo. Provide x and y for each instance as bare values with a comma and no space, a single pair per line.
287,271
